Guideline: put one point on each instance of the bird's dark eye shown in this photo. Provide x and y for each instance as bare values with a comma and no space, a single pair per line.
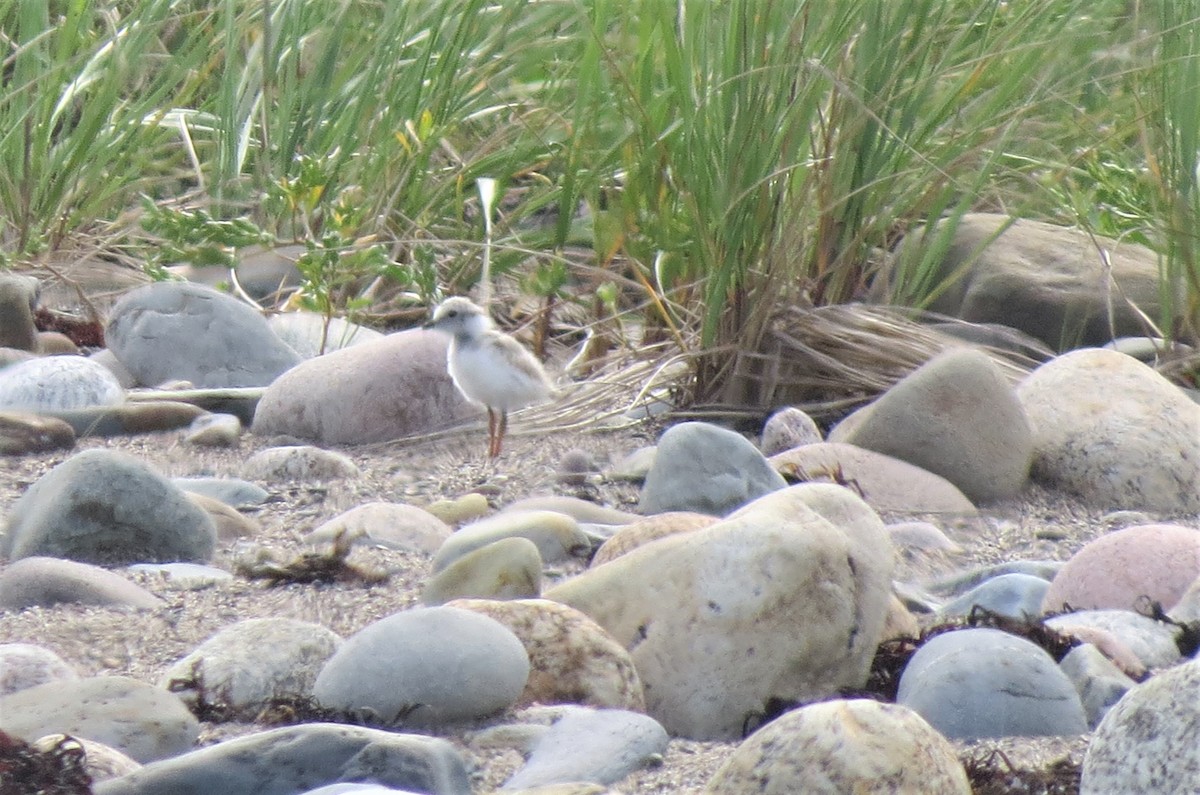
452,313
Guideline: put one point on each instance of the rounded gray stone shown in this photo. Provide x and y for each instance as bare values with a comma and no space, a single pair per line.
140,720
170,331
589,745
25,665
976,683
58,383
1017,596
301,758
43,582
426,666
101,506
707,469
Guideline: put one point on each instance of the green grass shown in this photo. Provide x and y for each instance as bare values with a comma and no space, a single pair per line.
729,157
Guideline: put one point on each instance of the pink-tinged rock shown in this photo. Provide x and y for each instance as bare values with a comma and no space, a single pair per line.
1121,569
382,390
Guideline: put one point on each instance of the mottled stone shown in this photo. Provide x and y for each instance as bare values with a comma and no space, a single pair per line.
57,383
1147,741
299,462
385,524
838,747
649,529
25,665
571,658
788,428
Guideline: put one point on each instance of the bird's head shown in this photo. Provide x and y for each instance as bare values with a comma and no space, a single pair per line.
460,317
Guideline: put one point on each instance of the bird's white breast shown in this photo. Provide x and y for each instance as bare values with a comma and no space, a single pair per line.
495,375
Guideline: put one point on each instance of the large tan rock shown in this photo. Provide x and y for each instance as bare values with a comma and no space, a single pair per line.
785,599
838,747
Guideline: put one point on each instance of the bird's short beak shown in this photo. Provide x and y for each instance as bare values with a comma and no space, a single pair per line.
427,323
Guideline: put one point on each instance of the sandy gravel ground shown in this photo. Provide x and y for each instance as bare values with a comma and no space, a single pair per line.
143,644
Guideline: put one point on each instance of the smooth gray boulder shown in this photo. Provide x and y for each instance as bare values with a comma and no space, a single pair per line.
44,582
142,721
708,469
387,389
58,383
306,333
1052,282
976,683
170,331
426,666
300,758
955,416
101,506
597,746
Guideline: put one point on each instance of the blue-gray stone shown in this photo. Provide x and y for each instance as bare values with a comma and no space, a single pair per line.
976,683
301,758
101,506
1016,596
600,746
234,492
704,468
58,383
170,331
426,666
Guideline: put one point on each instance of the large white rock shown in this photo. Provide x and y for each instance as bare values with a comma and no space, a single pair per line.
1115,432
784,599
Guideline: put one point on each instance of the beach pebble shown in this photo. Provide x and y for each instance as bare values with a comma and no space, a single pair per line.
385,524
650,528
101,761
707,469
460,509
1147,741
963,581
1016,596
1152,641
44,582
557,536
56,383
214,430
576,467
426,666
1098,680
976,683
300,758
886,483
635,466
387,389
837,747
572,660
920,537
955,416
784,599
101,506
787,428
580,510
247,664
312,334
299,462
22,433
183,576
18,299
150,416
1123,568
25,665
599,746
510,568
168,331
234,492
140,720
229,523
1083,406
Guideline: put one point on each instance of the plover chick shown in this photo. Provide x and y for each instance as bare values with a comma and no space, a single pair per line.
488,366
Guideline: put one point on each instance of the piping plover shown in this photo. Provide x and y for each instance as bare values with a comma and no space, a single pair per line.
488,366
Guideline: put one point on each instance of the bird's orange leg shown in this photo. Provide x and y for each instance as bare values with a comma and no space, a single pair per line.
493,450
501,429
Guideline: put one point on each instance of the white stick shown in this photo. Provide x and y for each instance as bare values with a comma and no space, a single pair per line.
487,199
